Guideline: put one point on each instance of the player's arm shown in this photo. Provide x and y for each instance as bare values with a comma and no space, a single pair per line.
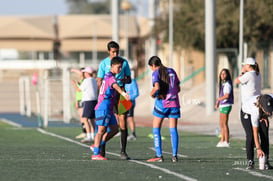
99,81
100,74
79,72
257,143
155,89
127,80
127,73
238,79
75,85
120,91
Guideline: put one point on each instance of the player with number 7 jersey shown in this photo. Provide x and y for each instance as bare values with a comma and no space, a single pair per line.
165,91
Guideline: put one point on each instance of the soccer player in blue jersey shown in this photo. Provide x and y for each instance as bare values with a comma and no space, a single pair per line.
104,109
123,77
165,91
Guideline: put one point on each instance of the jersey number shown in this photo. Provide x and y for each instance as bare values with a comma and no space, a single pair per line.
172,78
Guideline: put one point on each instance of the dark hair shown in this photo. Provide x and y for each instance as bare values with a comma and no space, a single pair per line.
164,76
116,60
256,68
227,79
82,72
112,44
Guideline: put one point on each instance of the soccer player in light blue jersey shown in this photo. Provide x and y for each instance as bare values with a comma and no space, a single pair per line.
123,77
165,91
104,108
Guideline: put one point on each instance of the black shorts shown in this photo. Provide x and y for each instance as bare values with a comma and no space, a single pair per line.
131,111
117,97
89,109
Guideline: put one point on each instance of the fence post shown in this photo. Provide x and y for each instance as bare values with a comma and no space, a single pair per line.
66,95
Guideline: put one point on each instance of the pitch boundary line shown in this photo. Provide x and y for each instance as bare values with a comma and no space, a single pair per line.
135,161
182,156
11,123
257,174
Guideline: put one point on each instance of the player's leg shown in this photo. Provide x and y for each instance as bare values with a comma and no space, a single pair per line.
123,135
132,125
226,128
157,122
96,152
173,116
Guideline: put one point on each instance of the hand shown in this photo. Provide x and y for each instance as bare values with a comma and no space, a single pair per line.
260,153
265,120
152,94
126,96
216,104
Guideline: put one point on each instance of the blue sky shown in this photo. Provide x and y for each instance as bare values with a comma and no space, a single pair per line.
33,7
49,7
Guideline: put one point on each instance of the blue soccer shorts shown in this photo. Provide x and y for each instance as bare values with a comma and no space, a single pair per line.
105,118
161,112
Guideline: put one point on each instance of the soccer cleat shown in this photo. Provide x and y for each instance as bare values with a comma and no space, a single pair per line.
156,159
174,159
124,156
80,136
118,134
131,137
87,140
98,157
250,165
267,166
92,147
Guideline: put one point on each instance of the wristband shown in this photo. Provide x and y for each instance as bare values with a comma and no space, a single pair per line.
124,94
258,148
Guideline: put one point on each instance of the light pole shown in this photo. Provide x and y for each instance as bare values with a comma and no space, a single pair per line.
126,6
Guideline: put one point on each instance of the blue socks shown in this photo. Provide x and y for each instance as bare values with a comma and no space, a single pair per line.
157,142
174,140
96,151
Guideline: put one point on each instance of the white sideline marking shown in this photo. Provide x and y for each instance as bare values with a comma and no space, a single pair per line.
11,123
135,161
257,174
183,156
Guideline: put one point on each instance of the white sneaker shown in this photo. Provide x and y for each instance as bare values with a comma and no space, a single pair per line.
87,140
80,136
220,144
131,137
226,144
223,144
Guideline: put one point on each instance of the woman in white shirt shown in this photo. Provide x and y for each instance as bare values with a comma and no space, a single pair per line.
250,81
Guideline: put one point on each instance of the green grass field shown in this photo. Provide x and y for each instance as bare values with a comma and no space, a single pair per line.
28,154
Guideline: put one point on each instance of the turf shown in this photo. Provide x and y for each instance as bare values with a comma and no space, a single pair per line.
27,154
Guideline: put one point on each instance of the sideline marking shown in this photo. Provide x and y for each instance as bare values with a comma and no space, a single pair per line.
135,161
183,156
11,123
257,174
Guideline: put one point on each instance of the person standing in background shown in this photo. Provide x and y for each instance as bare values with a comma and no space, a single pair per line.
132,90
250,81
224,102
89,91
79,103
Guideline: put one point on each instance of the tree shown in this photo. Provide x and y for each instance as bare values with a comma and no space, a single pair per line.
189,27
89,6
